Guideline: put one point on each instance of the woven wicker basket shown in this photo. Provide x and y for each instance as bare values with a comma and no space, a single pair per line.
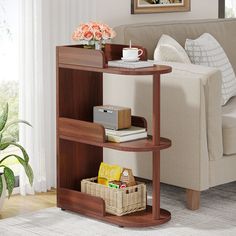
118,201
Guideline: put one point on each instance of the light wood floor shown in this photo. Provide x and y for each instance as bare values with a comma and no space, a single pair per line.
18,205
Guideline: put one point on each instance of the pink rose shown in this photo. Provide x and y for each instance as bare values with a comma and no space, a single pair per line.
106,34
84,27
88,35
97,35
113,33
77,35
95,26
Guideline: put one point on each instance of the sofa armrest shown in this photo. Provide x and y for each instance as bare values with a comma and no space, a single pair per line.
191,117
206,82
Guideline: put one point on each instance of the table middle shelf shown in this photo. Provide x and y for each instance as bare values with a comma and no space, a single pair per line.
94,134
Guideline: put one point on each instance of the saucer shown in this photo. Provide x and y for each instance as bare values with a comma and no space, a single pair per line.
130,59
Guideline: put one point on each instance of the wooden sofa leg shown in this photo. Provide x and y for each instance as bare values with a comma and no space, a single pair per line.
193,199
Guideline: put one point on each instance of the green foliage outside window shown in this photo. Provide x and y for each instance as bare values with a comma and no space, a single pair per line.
9,93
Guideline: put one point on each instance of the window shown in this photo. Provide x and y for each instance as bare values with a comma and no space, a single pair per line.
227,8
9,81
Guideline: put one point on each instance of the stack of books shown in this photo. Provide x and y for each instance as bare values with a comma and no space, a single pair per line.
131,65
124,135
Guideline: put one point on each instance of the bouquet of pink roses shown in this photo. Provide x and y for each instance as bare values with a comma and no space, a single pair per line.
89,33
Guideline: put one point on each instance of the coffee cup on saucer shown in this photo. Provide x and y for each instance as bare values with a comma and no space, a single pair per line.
131,54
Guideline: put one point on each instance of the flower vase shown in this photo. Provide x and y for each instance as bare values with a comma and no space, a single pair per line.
98,45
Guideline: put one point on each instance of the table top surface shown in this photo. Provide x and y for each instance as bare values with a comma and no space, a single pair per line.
155,69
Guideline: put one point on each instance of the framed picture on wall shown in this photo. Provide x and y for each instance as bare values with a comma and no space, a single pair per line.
158,6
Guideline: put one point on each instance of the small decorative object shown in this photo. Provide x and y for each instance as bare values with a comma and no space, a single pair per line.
118,201
93,34
114,184
158,6
117,184
7,178
108,173
112,117
131,53
127,177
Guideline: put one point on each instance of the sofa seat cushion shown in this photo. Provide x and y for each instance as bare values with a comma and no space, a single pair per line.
229,127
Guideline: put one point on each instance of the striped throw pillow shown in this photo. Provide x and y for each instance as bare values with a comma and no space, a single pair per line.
206,50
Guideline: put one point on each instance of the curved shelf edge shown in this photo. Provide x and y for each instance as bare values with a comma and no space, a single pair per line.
139,218
141,145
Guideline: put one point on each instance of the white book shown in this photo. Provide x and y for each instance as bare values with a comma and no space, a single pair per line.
120,139
124,132
130,64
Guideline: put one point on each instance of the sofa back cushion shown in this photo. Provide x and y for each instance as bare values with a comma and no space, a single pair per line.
206,51
168,49
148,34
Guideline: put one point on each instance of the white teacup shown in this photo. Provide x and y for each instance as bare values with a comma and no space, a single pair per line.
131,53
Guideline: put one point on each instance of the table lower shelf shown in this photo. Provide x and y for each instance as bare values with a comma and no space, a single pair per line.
138,219
94,207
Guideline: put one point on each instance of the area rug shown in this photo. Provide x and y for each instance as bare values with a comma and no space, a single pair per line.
216,217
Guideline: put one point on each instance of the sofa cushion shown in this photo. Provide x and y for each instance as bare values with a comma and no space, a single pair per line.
229,127
205,50
168,49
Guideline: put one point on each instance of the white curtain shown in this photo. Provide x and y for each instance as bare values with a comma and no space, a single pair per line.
44,24
37,100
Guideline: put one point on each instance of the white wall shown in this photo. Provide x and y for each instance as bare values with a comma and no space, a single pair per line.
118,12
63,16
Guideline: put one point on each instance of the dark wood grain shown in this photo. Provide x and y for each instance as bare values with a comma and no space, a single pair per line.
114,52
139,121
137,219
160,69
68,199
81,130
77,161
156,126
141,145
80,56
80,142
94,134
79,91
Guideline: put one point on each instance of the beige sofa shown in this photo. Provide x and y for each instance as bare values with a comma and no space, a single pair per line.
203,133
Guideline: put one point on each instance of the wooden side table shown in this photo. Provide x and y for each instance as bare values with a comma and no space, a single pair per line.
80,142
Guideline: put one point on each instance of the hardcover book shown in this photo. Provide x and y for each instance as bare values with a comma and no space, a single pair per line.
125,135
130,64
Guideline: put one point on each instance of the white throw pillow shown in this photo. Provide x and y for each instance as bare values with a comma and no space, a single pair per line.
206,50
168,49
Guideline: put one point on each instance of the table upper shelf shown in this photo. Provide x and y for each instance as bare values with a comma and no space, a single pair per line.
77,58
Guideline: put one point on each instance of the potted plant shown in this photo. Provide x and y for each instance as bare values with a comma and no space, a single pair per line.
7,178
